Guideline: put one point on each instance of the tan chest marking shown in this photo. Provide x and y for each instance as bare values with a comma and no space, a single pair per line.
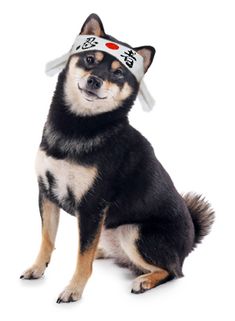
76,177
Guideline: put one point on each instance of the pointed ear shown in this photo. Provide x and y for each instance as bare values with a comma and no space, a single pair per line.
147,52
93,26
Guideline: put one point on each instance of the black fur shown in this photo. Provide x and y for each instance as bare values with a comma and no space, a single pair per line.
132,183
202,215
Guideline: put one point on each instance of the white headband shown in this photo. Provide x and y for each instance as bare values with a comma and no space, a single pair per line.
127,56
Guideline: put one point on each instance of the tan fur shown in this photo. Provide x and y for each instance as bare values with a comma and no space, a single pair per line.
119,95
120,243
83,73
109,244
124,93
99,56
50,217
148,281
115,65
128,235
79,178
80,103
83,270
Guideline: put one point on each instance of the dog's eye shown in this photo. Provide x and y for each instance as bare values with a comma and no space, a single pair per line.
90,60
118,72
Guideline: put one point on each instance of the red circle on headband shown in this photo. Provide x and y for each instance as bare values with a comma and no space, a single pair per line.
112,45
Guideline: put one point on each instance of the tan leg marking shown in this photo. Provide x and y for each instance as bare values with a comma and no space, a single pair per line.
50,217
128,235
73,291
148,281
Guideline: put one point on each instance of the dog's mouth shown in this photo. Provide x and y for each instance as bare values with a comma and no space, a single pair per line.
90,95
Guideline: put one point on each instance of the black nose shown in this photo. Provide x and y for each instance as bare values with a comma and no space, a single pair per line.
94,82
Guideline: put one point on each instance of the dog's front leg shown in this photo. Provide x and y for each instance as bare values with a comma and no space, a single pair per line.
50,214
89,228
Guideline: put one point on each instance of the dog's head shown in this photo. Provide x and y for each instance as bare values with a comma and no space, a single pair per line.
97,82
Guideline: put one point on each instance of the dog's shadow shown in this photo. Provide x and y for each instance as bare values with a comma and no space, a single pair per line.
32,283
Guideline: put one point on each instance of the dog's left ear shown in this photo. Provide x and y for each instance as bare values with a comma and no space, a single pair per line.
147,52
93,26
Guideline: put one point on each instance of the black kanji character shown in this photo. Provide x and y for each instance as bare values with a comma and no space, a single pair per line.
129,58
89,43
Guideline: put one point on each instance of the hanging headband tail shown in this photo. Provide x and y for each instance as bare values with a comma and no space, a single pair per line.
146,99
57,65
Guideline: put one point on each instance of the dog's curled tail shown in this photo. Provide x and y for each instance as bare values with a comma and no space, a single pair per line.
202,214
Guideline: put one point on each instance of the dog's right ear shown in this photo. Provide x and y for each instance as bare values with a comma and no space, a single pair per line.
93,26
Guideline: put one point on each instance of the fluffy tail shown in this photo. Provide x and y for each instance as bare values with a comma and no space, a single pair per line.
202,214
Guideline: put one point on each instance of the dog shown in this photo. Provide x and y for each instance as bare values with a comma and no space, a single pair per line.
95,166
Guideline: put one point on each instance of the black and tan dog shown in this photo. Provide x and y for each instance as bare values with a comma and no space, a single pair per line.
95,166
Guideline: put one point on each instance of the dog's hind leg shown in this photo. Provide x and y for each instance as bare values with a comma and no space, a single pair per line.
50,219
149,280
152,273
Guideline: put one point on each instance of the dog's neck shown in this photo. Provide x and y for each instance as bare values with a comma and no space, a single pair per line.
67,134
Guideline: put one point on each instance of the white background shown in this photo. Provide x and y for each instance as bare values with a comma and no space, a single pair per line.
191,129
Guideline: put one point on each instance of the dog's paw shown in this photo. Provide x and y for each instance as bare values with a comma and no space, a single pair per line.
69,295
35,272
140,285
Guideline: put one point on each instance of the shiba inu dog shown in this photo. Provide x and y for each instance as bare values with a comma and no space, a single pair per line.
94,165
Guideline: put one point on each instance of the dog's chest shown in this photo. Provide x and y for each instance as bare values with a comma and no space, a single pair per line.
63,178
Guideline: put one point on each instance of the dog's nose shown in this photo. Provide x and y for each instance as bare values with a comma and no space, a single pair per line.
94,82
